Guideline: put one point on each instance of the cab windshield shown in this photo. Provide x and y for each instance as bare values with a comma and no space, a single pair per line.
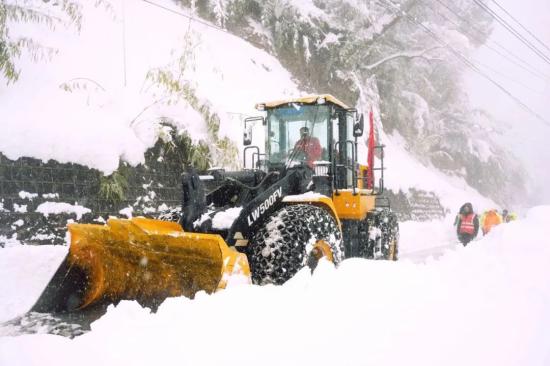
298,132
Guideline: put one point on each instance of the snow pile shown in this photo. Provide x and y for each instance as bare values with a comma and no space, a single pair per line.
55,208
6,242
19,208
224,219
25,271
485,304
50,196
304,197
127,211
417,245
26,195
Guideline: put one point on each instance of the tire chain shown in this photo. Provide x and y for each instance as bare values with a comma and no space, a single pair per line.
379,246
276,259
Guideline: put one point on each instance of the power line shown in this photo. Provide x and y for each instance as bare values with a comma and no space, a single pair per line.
200,21
521,25
472,29
514,32
463,58
499,45
505,76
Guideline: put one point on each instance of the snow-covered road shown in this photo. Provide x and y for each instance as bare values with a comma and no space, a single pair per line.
420,241
485,304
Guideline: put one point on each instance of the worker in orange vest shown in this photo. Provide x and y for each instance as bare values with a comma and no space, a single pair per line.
489,219
467,224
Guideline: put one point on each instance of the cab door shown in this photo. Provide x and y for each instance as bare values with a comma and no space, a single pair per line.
344,149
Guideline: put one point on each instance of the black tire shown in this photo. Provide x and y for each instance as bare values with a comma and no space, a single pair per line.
280,248
383,242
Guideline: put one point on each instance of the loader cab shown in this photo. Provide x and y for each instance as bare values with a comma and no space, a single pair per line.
298,133
314,131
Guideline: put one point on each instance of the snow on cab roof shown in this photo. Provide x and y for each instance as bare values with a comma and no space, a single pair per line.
309,99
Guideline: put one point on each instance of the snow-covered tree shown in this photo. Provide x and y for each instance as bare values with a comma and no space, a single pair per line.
220,12
51,14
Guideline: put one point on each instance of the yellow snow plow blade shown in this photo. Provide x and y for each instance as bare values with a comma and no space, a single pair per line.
138,259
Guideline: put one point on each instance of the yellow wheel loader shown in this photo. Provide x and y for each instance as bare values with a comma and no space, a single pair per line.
302,197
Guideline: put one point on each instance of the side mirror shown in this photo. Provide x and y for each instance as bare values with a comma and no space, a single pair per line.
358,127
248,122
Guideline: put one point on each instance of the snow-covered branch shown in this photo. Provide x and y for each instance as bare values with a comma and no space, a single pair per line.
406,54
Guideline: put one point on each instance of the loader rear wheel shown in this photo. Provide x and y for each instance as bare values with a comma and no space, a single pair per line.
282,245
383,242
390,229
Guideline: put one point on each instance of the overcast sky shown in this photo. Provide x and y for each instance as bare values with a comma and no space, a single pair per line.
528,137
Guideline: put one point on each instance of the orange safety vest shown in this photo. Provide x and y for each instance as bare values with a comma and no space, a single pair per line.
491,219
467,224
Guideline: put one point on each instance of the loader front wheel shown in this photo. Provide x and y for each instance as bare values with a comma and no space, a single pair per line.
282,246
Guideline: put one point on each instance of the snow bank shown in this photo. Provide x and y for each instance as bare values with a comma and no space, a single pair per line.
421,240
486,304
25,271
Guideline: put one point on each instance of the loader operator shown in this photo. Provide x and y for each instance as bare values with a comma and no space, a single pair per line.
309,146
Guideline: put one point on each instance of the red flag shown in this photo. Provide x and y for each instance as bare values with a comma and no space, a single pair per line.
370,158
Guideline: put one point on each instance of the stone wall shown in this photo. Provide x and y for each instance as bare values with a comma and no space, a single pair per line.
417,205
27,183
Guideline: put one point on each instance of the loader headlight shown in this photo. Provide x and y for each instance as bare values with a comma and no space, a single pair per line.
321,100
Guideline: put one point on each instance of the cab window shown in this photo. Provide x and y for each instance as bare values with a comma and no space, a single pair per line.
286,126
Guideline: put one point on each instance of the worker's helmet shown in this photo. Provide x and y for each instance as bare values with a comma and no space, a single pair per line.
504,212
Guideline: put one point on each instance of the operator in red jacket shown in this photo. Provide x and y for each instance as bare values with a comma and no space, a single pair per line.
309,145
